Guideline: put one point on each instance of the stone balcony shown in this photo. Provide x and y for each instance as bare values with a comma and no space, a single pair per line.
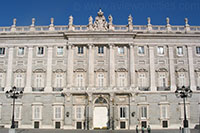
38,89
57,89
144,88
163,88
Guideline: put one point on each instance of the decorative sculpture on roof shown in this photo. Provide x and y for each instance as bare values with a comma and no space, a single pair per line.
100,23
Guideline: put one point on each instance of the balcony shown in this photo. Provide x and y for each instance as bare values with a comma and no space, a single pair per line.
1,88
57,89
38,89
198,88
144,88
163,88
20,88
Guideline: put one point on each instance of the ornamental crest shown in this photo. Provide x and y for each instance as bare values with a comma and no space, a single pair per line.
100,23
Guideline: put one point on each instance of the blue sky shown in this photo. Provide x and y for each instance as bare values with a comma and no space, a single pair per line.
43,10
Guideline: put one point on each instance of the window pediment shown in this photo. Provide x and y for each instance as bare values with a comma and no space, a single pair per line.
162,70
181,70
39,71
100,70
2,71
80,70
19,71
142,70
59,71
121,70
197,70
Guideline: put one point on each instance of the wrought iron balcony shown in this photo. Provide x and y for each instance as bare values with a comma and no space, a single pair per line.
57,89
1,88
38,89
163,88
144,88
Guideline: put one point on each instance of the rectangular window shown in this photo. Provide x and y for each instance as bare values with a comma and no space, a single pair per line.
123,112
1,80
100,80
37,112
59,80
198,50
122,124
40,50
162,80
78,112
160,50
121,50
165,124
141,50
2,51
21,51
16,123
144,124
122,79
179,50
19,81
57,113
100,49
78,125
143,112
80,82
59,50
181,80
164,111
198,79
80,50
39,83
0,112
57,125
36,124
17,112
141,80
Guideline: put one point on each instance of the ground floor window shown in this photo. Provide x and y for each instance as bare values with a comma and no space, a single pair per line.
78,125
57,125
16,124
122,125
144,124
36,124
165,124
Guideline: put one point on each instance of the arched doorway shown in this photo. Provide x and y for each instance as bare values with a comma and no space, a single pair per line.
100,114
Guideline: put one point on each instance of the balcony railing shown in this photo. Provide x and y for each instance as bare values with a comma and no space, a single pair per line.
1,88
163,88
57,89
144,88
38,89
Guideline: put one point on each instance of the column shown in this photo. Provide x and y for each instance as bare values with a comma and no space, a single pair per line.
132,66
90,106
9,69
28,87
171,69
49,70
191,68
112,119
111,65
91,66
152,68
70,65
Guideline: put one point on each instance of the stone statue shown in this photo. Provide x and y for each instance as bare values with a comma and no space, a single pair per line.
70,20
100,23
52,21
33,22
130,20
186,22
110,19
14,21
167,20
90,20
149,21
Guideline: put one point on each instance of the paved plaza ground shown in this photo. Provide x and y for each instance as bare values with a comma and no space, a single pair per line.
4,130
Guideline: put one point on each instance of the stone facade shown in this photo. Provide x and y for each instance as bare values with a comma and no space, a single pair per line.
99,75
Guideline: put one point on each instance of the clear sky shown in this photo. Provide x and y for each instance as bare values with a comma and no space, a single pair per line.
60,10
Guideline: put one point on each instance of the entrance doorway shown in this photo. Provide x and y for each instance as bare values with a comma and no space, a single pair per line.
100,118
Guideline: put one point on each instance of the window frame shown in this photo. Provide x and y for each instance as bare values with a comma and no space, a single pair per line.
35,112
4,53
178,52
141,53
101,50
37,51
57,51
121,50
21,55
196,51
80,50
158,51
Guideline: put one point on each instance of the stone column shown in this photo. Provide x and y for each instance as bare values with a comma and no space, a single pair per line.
49,70
191,68
70,65
91,66
171,69
90,106
112,119
28,87
132,66
9,69
111,65
152,68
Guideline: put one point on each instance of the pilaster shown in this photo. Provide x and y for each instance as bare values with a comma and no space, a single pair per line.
28,87
91,66
70,65
132,66
9,69
171,69
191,68
111,65
152,68
90,106
49,70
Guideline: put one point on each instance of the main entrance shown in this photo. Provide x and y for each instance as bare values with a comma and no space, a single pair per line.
100,114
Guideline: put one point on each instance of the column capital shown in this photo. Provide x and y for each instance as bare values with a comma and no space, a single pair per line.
90,45
111,45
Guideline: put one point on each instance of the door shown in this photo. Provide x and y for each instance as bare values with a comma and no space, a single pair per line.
100,118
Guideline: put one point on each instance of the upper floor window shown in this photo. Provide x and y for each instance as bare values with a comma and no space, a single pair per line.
19,82
36,112
181,79
122,79
160,50
79,112
100,80
80,50
57,112
39,81
17,112
123,112
141,50
40,51
2,51
20,51
162,80
59,50
121,50
198,79
100,49
141,80
80,82
164,111
59,80
198,50
1,80
179,50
